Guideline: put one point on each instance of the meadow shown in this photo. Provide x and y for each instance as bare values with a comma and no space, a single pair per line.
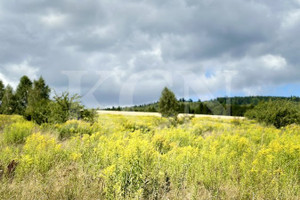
148,157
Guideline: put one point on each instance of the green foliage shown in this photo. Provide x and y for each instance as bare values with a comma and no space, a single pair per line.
40,89
32,101
253,100
22,92
38,102
2,88
74,128
232,106
8,105
16,133
88,115
279,113
38,111
168,104
64,108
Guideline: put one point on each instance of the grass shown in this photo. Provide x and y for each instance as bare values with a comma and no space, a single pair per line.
136,157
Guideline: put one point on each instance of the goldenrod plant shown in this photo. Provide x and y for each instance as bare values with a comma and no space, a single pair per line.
134,157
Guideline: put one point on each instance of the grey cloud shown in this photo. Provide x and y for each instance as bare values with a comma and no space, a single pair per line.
135,38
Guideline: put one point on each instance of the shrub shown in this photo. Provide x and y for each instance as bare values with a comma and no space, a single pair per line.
68,107
279,113
16,133
65,107
74,128
88,115
131,127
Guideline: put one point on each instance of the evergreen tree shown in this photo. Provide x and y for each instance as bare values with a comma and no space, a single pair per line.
40,89
8,105
168,104
38,102
1,94
201,108
22,92
206,110
2,88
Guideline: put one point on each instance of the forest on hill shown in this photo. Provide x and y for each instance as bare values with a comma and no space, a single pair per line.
231,106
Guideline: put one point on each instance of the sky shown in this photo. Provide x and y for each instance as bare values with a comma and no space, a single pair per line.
124,52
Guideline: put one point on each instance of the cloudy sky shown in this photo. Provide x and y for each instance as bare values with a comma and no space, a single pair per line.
124,52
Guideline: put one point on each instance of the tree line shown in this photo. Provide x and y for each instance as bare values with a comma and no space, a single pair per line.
32,100
276,111
230,106
212,107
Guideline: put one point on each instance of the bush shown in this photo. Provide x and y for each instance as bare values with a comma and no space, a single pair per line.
68,107
74,128
88,115
65,107
16,133
279,113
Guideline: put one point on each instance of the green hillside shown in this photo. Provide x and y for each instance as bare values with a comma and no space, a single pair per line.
232,106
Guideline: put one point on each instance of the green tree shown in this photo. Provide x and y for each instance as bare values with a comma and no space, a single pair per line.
8,105
279,113
168,104
38,102
65,107
22,92
2,88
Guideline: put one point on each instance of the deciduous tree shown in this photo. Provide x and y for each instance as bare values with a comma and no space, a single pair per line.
8,105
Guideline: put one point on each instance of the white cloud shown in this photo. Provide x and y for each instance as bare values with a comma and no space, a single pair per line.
54,19
15,71
291,19
7,81
274,62
252,91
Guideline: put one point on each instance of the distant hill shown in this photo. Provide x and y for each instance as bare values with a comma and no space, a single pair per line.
231,106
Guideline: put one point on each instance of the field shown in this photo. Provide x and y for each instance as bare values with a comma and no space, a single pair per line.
156,114
148,157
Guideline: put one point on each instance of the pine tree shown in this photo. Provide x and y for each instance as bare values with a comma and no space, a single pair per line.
8,105
168,104
22,93
1,94
38,101
2,88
